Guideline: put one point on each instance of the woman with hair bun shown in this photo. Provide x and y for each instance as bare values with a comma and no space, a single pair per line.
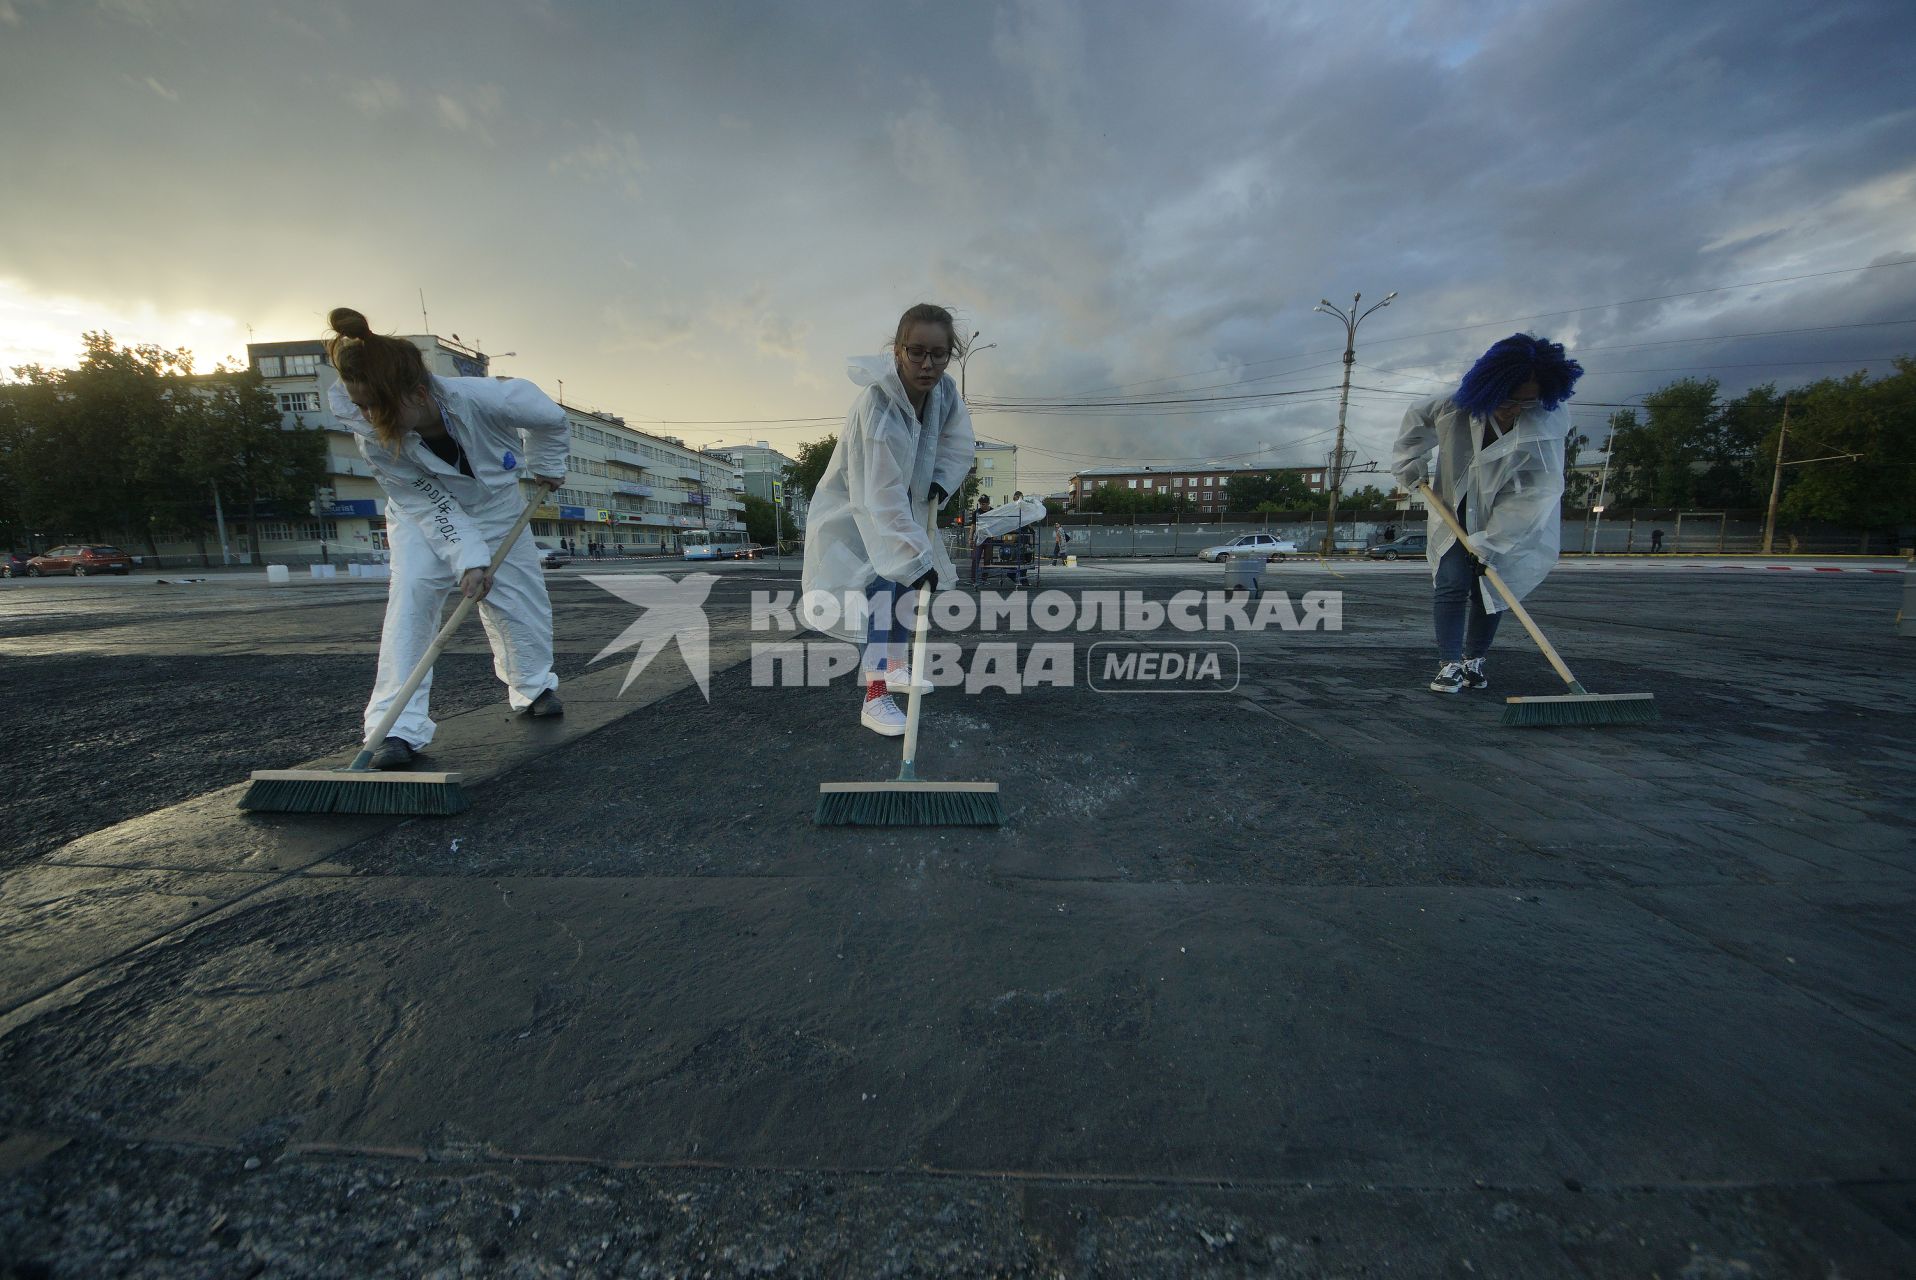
1500,459
449,453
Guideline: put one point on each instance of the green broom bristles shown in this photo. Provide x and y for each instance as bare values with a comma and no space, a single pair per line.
349,795
1638,708
915,807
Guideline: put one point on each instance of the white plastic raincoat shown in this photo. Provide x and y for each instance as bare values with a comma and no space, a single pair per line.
1514,488
441,522
867,519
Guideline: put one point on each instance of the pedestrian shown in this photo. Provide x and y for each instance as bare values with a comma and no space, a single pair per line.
1390,533
1656,541
447,453
1058,539
907,442
618,548
1500,465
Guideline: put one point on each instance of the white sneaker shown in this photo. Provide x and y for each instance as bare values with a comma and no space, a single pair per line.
1450,678
881,715
897,679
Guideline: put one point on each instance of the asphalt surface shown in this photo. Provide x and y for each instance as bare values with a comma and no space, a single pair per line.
1322,974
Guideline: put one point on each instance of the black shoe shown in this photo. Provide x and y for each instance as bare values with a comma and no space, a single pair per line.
393,753
1474,677
546,704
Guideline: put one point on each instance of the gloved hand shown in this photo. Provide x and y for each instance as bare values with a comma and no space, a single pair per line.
1479,565
928,582
938,496
1411,476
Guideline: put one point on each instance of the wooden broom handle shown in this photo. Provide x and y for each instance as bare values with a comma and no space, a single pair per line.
1432,501
908,765
398,707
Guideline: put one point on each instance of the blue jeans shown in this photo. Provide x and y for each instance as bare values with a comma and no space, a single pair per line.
1464,627
885,635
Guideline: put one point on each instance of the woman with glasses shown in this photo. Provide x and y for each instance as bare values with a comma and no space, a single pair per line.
1500,458
907,443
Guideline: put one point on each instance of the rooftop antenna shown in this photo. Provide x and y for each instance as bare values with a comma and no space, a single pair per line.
424,323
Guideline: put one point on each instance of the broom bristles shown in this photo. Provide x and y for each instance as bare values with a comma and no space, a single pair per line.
1595,709
917,806
348,795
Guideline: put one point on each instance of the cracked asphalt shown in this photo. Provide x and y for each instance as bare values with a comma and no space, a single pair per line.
1323,975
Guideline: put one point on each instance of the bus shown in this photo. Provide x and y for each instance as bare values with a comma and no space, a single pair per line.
717,544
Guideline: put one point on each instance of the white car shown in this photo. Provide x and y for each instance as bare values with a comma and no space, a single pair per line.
1251,544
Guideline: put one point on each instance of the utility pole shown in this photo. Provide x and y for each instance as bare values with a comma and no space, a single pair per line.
1776,480
1350,319
778,523
424,323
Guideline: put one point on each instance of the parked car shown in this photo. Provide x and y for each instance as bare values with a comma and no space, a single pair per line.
1411,544
80,560
1251,544
13,565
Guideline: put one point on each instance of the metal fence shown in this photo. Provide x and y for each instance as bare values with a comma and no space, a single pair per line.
1615,533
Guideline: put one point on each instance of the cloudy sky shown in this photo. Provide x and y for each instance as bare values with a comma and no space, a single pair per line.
692,212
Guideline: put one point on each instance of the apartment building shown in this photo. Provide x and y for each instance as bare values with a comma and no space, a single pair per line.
997,468
1207,488
623,486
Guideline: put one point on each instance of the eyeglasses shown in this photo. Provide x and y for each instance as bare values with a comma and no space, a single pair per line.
1521,406
937,355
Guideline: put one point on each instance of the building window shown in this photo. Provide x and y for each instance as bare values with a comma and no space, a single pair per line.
299,402
269,366
303,531
1133,483
301,366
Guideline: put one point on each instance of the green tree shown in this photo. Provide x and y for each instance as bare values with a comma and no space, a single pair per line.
237,438
1368,498
1663,455
805,473
1112,500
761,521
1283,490
88,446
1850,415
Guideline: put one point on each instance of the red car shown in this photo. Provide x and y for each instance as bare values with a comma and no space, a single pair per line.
80,560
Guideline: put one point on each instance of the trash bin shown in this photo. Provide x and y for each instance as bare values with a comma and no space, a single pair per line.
278,573
1243,573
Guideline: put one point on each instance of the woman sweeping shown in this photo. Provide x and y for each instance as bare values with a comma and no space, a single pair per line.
907,442
1500,460
449,453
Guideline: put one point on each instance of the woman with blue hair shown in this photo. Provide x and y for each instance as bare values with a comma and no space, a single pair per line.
1500,457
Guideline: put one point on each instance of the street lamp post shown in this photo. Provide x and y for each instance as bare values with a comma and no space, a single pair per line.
1350,319
1603,500
964,361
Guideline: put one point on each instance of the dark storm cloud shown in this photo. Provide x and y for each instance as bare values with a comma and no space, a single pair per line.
697,210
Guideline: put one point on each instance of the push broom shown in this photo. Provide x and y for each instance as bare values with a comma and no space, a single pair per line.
360,788
1579,706
908,800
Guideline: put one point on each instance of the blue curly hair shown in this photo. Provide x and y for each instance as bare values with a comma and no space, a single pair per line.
1511,363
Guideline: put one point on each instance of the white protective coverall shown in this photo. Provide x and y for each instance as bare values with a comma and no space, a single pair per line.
867,519
1514,487
441,522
